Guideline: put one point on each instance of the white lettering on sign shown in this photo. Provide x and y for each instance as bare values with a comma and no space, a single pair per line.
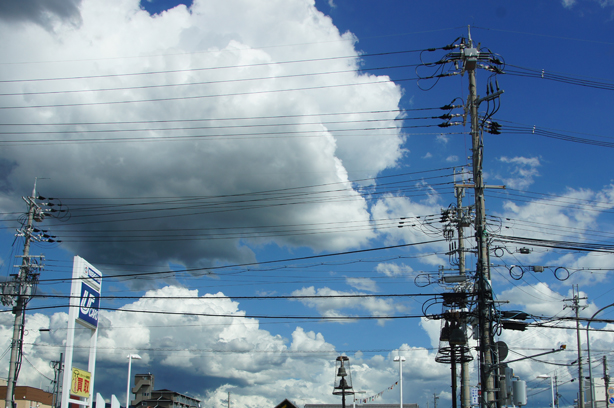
86,303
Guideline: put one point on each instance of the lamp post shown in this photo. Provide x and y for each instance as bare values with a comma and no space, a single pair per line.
551,386
400,359
357,392
588,347
130,358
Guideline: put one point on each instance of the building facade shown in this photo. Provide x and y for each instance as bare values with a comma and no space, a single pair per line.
350,404
145,396
28,397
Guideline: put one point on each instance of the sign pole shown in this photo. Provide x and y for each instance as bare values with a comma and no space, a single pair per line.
84,308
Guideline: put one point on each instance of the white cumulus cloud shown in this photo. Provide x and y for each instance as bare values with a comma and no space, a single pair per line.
225,115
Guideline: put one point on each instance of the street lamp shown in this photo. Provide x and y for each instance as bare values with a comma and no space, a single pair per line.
590,366
551,386
400,359
130,358
357,392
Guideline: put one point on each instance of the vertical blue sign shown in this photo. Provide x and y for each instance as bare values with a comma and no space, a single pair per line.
88,306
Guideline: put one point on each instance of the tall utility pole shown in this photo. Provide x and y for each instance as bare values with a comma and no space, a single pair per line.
58,368
463,219
606,379
556,391
470,57
18,292
576,306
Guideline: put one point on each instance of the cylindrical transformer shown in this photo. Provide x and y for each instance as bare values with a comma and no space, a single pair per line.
519,390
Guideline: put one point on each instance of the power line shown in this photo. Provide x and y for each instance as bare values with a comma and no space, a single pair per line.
197,97
534,130
544,35
241,316
553,76
222,267
223,119
185,128
259,64
569,245
264,297
199,83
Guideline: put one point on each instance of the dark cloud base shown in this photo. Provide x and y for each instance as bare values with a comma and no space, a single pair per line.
41,12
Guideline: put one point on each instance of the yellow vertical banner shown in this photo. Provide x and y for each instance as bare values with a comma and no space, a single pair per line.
80,384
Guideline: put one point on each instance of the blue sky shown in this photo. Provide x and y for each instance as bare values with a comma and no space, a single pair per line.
264,152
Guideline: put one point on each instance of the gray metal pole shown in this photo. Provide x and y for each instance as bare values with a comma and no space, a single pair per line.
400,359
128,386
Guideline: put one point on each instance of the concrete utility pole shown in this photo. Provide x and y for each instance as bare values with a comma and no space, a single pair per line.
576,306
470,58
556,391
18,292
58,368
459,192
606,379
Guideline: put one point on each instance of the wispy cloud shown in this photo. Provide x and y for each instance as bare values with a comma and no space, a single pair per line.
394,270
333,306
522,169
441,138
362,284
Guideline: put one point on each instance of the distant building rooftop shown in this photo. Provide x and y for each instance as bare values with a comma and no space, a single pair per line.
349,404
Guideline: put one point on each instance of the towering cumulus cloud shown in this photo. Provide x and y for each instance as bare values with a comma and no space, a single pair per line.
227,114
